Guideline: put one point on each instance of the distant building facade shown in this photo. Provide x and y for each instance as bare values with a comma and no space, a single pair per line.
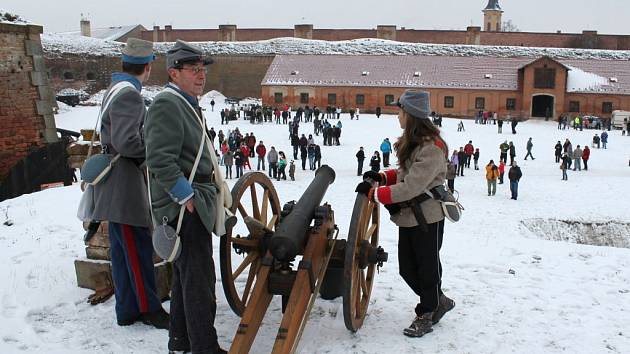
519,88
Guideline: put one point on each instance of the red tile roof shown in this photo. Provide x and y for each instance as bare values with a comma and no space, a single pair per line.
435,71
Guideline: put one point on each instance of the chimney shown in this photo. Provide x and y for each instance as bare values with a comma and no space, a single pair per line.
386,32
85,28
156,33
227,33
304,31
167,33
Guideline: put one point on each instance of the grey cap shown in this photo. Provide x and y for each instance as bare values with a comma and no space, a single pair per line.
138,51
416,103
183,53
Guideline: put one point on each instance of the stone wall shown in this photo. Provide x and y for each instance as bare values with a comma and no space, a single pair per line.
586,39
26,102
232,75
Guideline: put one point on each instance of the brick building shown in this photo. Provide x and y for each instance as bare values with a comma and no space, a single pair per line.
460,86
26,118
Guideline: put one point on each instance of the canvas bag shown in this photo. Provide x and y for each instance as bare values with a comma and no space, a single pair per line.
97,168
450,205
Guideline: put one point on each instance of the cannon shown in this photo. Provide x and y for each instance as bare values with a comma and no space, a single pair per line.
259,252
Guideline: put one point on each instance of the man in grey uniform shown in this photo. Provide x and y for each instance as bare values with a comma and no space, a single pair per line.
122,198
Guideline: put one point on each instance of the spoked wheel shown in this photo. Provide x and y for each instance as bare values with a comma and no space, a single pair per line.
360,261
256,205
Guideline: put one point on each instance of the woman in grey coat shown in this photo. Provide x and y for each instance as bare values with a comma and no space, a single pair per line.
422,155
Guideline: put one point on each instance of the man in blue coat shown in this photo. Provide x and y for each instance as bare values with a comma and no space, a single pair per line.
386,149
122,199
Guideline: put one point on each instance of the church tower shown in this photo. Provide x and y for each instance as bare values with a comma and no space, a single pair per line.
492,16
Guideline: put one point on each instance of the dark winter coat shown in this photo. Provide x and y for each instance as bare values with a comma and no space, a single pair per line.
558,148
515,174
360,155
512,150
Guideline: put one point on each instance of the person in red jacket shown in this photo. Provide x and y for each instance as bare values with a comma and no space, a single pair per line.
469,149
501,171
586,153
245,151
261,151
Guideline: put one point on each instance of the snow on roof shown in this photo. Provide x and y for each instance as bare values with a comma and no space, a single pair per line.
6,17
106,33
60,43
481,73
579,81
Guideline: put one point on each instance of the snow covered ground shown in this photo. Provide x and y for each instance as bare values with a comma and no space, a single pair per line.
516,290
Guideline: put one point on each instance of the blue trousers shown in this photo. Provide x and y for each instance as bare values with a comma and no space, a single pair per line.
514,189
132,271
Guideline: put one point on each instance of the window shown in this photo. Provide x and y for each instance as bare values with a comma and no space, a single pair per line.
449,102
360,100
510,104
332,98
68,76
389,100
304,98
607,107
480,103
91,77
277,97
544,78
574,106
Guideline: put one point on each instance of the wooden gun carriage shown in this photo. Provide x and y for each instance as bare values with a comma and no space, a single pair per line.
258,253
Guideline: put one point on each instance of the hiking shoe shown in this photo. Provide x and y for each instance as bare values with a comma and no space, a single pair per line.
158,319
445,305
127,322
420,326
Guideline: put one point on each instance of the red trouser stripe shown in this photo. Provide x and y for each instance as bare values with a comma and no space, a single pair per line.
132,255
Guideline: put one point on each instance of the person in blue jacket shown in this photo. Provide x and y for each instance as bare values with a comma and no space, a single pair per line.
386,149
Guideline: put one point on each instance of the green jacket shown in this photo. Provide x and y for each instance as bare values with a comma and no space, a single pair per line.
172,136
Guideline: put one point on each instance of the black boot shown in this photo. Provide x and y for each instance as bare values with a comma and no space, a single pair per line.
445,305
420,326
158,319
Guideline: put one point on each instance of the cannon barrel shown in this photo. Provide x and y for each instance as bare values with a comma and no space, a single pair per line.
290,235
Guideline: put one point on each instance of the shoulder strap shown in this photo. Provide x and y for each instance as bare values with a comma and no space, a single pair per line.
105,105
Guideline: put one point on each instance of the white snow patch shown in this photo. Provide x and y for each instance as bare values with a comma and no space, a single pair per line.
560,297
580,80
56,44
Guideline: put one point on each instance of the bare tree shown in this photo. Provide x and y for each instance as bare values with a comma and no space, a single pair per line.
509,26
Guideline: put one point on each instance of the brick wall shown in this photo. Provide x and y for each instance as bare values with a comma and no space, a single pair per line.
587,39
26,120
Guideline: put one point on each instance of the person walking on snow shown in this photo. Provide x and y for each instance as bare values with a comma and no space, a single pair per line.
501,171
586,154
604,138
558,151
514,175
476,158
492,173
360,158
577,159
469,149
564,166
261,151
512,152
530,145
386,149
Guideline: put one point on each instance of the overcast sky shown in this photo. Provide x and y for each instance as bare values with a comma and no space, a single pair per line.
605,16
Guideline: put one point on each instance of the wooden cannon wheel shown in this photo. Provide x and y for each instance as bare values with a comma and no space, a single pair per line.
253,196
358,272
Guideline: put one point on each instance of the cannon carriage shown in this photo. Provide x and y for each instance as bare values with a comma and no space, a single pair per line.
294,252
